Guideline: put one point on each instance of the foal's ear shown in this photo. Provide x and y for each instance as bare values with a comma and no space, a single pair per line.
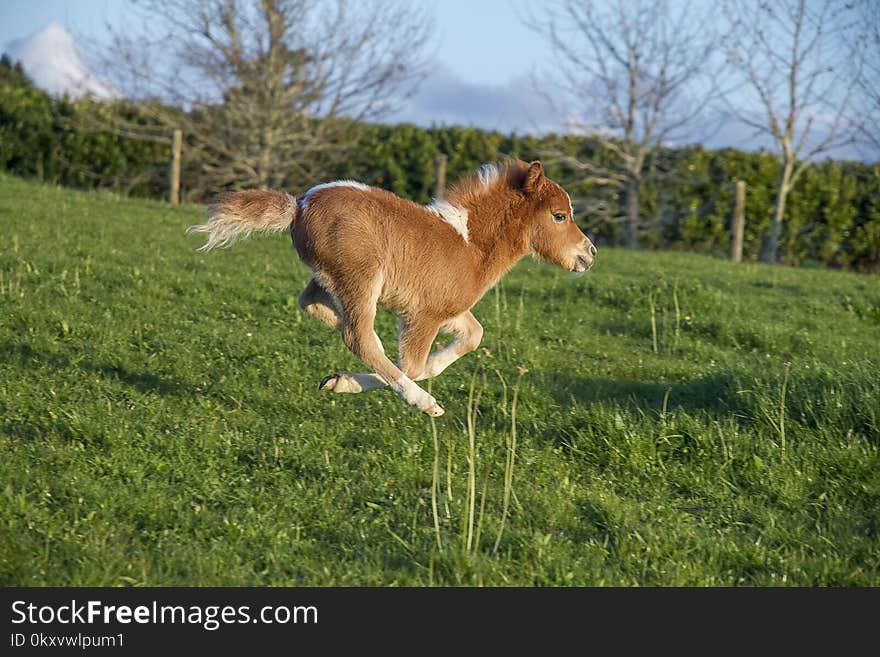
534,177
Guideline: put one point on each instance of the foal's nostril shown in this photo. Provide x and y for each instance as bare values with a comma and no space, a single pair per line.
592,250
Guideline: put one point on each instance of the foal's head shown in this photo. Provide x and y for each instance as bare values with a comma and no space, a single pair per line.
551,230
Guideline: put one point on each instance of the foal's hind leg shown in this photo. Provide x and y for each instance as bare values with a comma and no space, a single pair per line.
359,312
318,303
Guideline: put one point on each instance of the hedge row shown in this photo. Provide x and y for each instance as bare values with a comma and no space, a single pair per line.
832,216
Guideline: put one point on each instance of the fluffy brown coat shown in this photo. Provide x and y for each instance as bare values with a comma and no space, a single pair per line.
429,265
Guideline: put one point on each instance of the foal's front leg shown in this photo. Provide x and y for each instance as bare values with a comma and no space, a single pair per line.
359,314
468,333
416,336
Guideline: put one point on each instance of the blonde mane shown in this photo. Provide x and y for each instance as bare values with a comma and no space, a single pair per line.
485,180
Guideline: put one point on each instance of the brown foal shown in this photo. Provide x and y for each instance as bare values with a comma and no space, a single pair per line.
429,264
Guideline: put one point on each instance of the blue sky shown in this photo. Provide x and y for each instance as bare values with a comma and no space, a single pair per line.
480,40
21,18
485,58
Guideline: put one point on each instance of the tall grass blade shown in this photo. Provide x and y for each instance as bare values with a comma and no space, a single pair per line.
653,320
435,479
509,462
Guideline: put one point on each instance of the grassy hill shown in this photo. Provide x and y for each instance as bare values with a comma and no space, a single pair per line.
161,424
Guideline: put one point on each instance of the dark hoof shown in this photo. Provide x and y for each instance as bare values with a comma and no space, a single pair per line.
329,382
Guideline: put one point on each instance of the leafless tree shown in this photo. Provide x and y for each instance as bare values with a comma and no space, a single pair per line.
633,74
866,67
267,92
790,56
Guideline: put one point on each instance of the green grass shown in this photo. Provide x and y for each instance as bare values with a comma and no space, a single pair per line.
162,424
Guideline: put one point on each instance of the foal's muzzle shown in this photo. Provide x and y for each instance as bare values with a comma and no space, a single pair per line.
585,258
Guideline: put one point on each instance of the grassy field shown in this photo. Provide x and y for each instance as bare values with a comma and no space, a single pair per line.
683,421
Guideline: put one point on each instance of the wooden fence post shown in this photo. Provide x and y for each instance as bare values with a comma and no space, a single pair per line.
174,168
440,189
737,222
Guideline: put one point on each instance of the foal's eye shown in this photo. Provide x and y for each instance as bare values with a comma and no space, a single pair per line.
559,217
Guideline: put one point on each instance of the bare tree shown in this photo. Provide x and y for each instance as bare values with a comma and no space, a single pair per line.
632,73
790,56
866,67
268,93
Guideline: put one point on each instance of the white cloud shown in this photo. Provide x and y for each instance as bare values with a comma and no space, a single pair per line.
446,99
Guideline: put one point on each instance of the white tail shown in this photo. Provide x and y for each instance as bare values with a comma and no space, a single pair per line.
236,215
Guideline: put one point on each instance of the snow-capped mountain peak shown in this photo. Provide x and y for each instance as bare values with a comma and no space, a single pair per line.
51,60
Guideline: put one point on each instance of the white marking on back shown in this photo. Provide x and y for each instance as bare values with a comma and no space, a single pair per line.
336,183
453,215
